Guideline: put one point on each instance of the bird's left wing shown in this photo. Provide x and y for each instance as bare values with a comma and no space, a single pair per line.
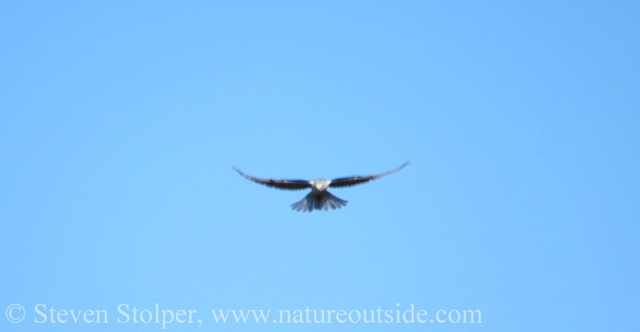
280,184
354,180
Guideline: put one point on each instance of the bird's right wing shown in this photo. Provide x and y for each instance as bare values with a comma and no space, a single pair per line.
354,180
280,184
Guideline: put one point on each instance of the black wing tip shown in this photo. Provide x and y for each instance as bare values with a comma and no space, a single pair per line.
241,172
405,164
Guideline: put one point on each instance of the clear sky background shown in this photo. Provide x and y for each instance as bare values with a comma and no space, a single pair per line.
120,122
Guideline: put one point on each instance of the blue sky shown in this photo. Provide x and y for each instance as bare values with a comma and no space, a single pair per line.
120,123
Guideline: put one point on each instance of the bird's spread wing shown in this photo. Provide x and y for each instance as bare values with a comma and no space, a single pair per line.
281,184
353,180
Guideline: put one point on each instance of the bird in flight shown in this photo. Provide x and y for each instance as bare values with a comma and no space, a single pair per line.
319,198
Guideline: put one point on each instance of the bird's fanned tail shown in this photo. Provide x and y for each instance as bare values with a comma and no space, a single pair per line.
315,201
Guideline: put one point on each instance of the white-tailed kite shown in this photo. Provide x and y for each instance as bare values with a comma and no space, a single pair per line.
319,198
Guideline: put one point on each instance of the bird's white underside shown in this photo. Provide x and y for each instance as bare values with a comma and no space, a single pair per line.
320,185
